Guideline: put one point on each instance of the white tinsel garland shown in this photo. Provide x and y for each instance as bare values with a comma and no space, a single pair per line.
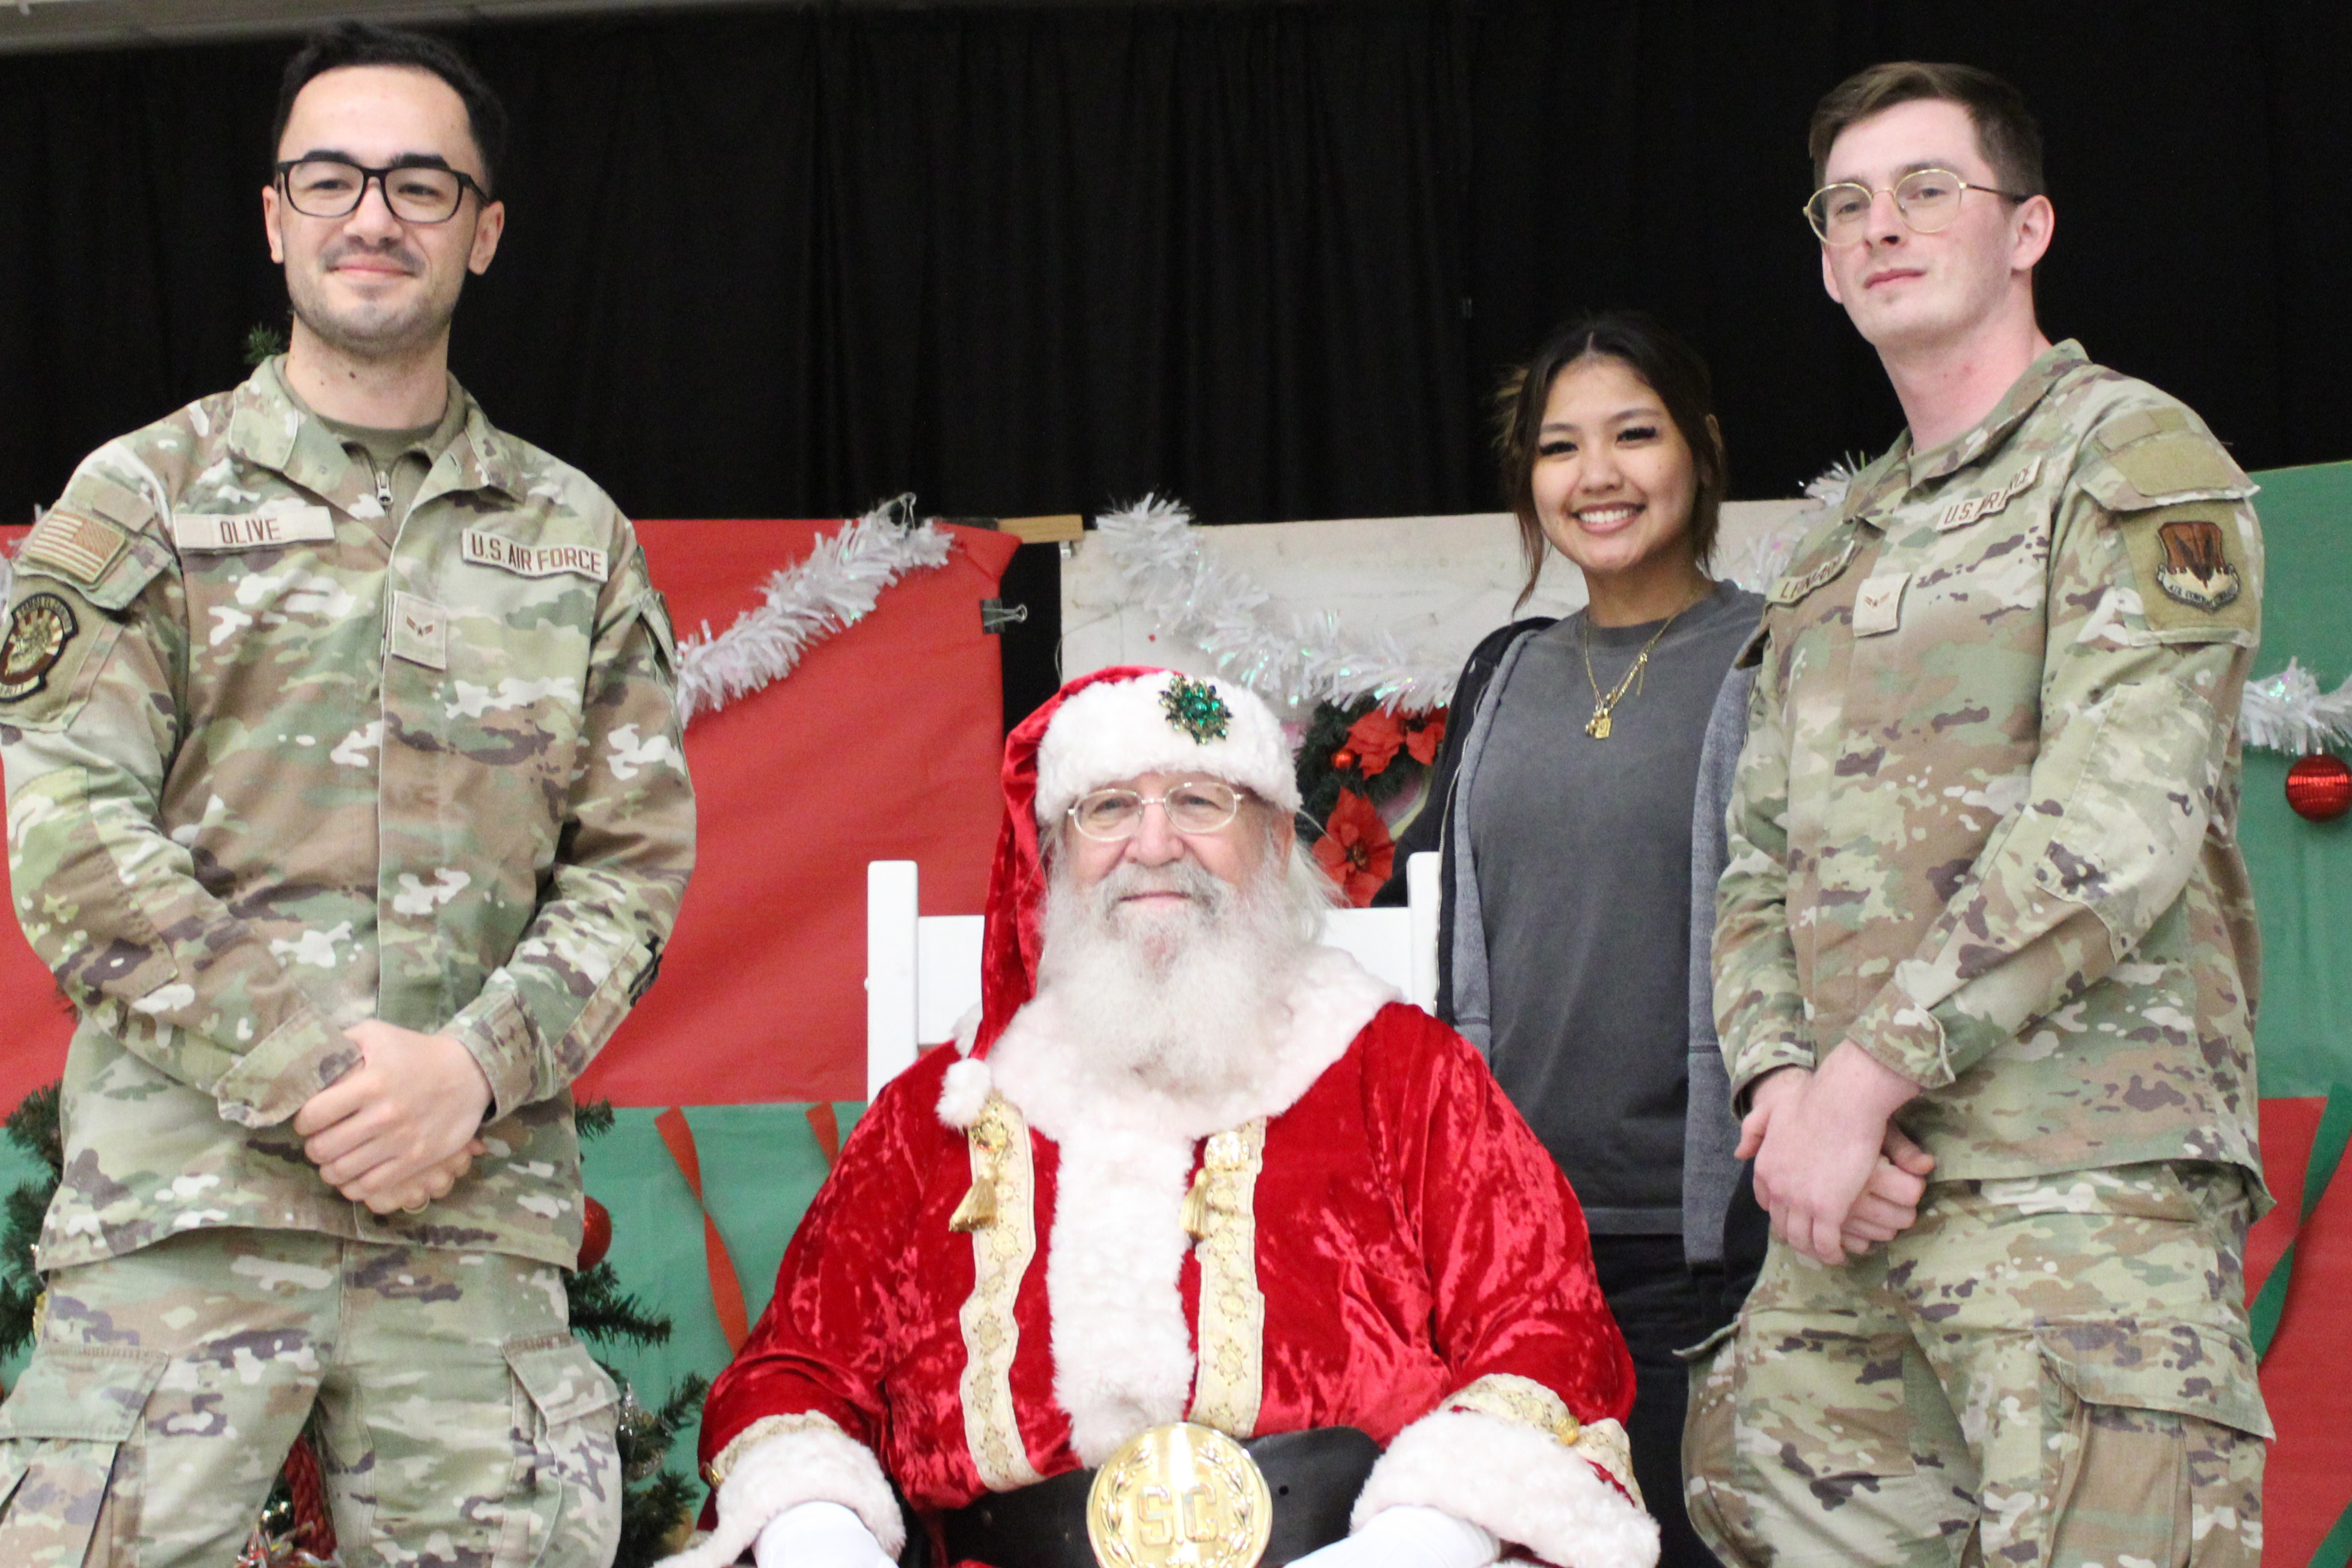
2288,711
803,605
1290,657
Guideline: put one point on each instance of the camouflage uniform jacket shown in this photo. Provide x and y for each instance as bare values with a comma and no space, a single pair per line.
1985,825
275,767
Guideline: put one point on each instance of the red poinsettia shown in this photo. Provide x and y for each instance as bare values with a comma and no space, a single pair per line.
1356,848
1375,739
1424,738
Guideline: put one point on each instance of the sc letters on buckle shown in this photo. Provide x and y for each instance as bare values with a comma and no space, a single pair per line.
1179,1496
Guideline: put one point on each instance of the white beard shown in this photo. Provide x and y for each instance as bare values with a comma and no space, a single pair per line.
1187,1001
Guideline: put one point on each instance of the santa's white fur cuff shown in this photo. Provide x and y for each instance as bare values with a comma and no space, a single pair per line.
1118,729
789,1470
1520,1483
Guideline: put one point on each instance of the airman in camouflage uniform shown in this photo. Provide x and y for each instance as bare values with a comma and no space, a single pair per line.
1984,834
311,731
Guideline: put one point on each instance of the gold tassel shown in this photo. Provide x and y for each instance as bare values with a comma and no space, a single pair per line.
1196,1207
978,1207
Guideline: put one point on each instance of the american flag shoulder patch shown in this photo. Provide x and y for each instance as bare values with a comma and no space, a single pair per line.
79,547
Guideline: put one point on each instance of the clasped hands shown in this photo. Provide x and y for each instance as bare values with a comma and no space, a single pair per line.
397,1130
1831,1168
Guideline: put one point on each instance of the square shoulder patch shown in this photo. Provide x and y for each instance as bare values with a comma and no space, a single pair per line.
78,548
2189,562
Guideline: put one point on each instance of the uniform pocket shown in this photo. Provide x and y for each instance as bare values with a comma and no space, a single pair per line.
2150,1444
566,1507
2205,1370
60,1430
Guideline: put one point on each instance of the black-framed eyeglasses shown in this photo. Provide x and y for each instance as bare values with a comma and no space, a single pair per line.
416,193
1929,201
1195,806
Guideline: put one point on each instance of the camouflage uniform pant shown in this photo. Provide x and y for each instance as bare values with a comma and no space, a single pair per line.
2047,1371
462,1423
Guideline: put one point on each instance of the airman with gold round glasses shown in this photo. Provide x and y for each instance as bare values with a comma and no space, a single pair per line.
1927,200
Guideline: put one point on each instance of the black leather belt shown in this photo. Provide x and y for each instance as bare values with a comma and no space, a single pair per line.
1313,1476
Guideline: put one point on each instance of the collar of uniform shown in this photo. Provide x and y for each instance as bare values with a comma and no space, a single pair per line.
479,458
270,426
1903,470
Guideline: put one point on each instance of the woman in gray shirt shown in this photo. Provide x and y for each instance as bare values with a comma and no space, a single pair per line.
1567,794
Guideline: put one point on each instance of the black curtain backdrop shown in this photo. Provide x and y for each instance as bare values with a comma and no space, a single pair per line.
1268,258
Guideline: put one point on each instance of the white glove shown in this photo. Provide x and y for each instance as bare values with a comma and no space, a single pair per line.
819,1535
1407,1535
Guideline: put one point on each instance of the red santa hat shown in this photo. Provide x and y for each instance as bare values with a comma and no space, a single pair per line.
1101,727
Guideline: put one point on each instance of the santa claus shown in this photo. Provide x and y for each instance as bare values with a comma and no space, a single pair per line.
1189,1166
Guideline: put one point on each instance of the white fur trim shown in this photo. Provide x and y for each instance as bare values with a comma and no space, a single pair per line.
1122,1348
1518,1482
963,1091
1117,729
785,1471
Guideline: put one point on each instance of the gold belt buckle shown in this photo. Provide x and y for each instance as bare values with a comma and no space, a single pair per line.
1179,1496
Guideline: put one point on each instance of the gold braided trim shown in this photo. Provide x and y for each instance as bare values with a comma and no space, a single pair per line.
1004,1241
1232,1374
1524,1402
759,1432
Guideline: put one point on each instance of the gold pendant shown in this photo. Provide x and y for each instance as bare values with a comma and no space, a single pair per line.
1597,727
1179,1496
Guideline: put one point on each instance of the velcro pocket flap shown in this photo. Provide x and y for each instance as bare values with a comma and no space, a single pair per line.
86,1394
2173,465
562,1379
2205,1370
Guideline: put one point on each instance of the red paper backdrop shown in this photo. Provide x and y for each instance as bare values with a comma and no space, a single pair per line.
882,745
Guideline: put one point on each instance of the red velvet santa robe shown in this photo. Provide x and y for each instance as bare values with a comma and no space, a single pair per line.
1387,1247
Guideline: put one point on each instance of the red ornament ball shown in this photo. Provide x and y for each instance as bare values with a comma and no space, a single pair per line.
595,1234
2319,788
1343,759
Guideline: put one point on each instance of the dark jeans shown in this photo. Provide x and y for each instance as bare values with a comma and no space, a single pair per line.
1660,1308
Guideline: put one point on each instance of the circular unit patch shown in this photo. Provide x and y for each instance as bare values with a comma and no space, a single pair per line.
38,630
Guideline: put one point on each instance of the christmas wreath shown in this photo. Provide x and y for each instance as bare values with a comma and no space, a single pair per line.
1362,770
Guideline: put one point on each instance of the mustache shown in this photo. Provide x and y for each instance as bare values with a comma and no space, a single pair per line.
392,250
1184,878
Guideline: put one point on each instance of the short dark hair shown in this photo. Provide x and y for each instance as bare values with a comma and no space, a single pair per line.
1669,366
369,44
2007,134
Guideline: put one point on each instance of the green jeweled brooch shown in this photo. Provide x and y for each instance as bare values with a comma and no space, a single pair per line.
1195,708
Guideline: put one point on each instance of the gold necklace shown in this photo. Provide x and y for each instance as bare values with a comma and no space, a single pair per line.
1598,726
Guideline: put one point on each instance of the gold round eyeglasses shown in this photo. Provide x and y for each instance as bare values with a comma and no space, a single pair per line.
1928,200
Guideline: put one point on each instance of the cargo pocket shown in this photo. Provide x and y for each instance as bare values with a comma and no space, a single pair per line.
565,1511
60,1430
2152,1444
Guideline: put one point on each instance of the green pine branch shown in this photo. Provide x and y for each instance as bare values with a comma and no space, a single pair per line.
34,1127
603,1313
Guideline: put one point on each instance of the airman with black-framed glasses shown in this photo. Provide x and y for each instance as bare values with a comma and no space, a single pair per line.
416,190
